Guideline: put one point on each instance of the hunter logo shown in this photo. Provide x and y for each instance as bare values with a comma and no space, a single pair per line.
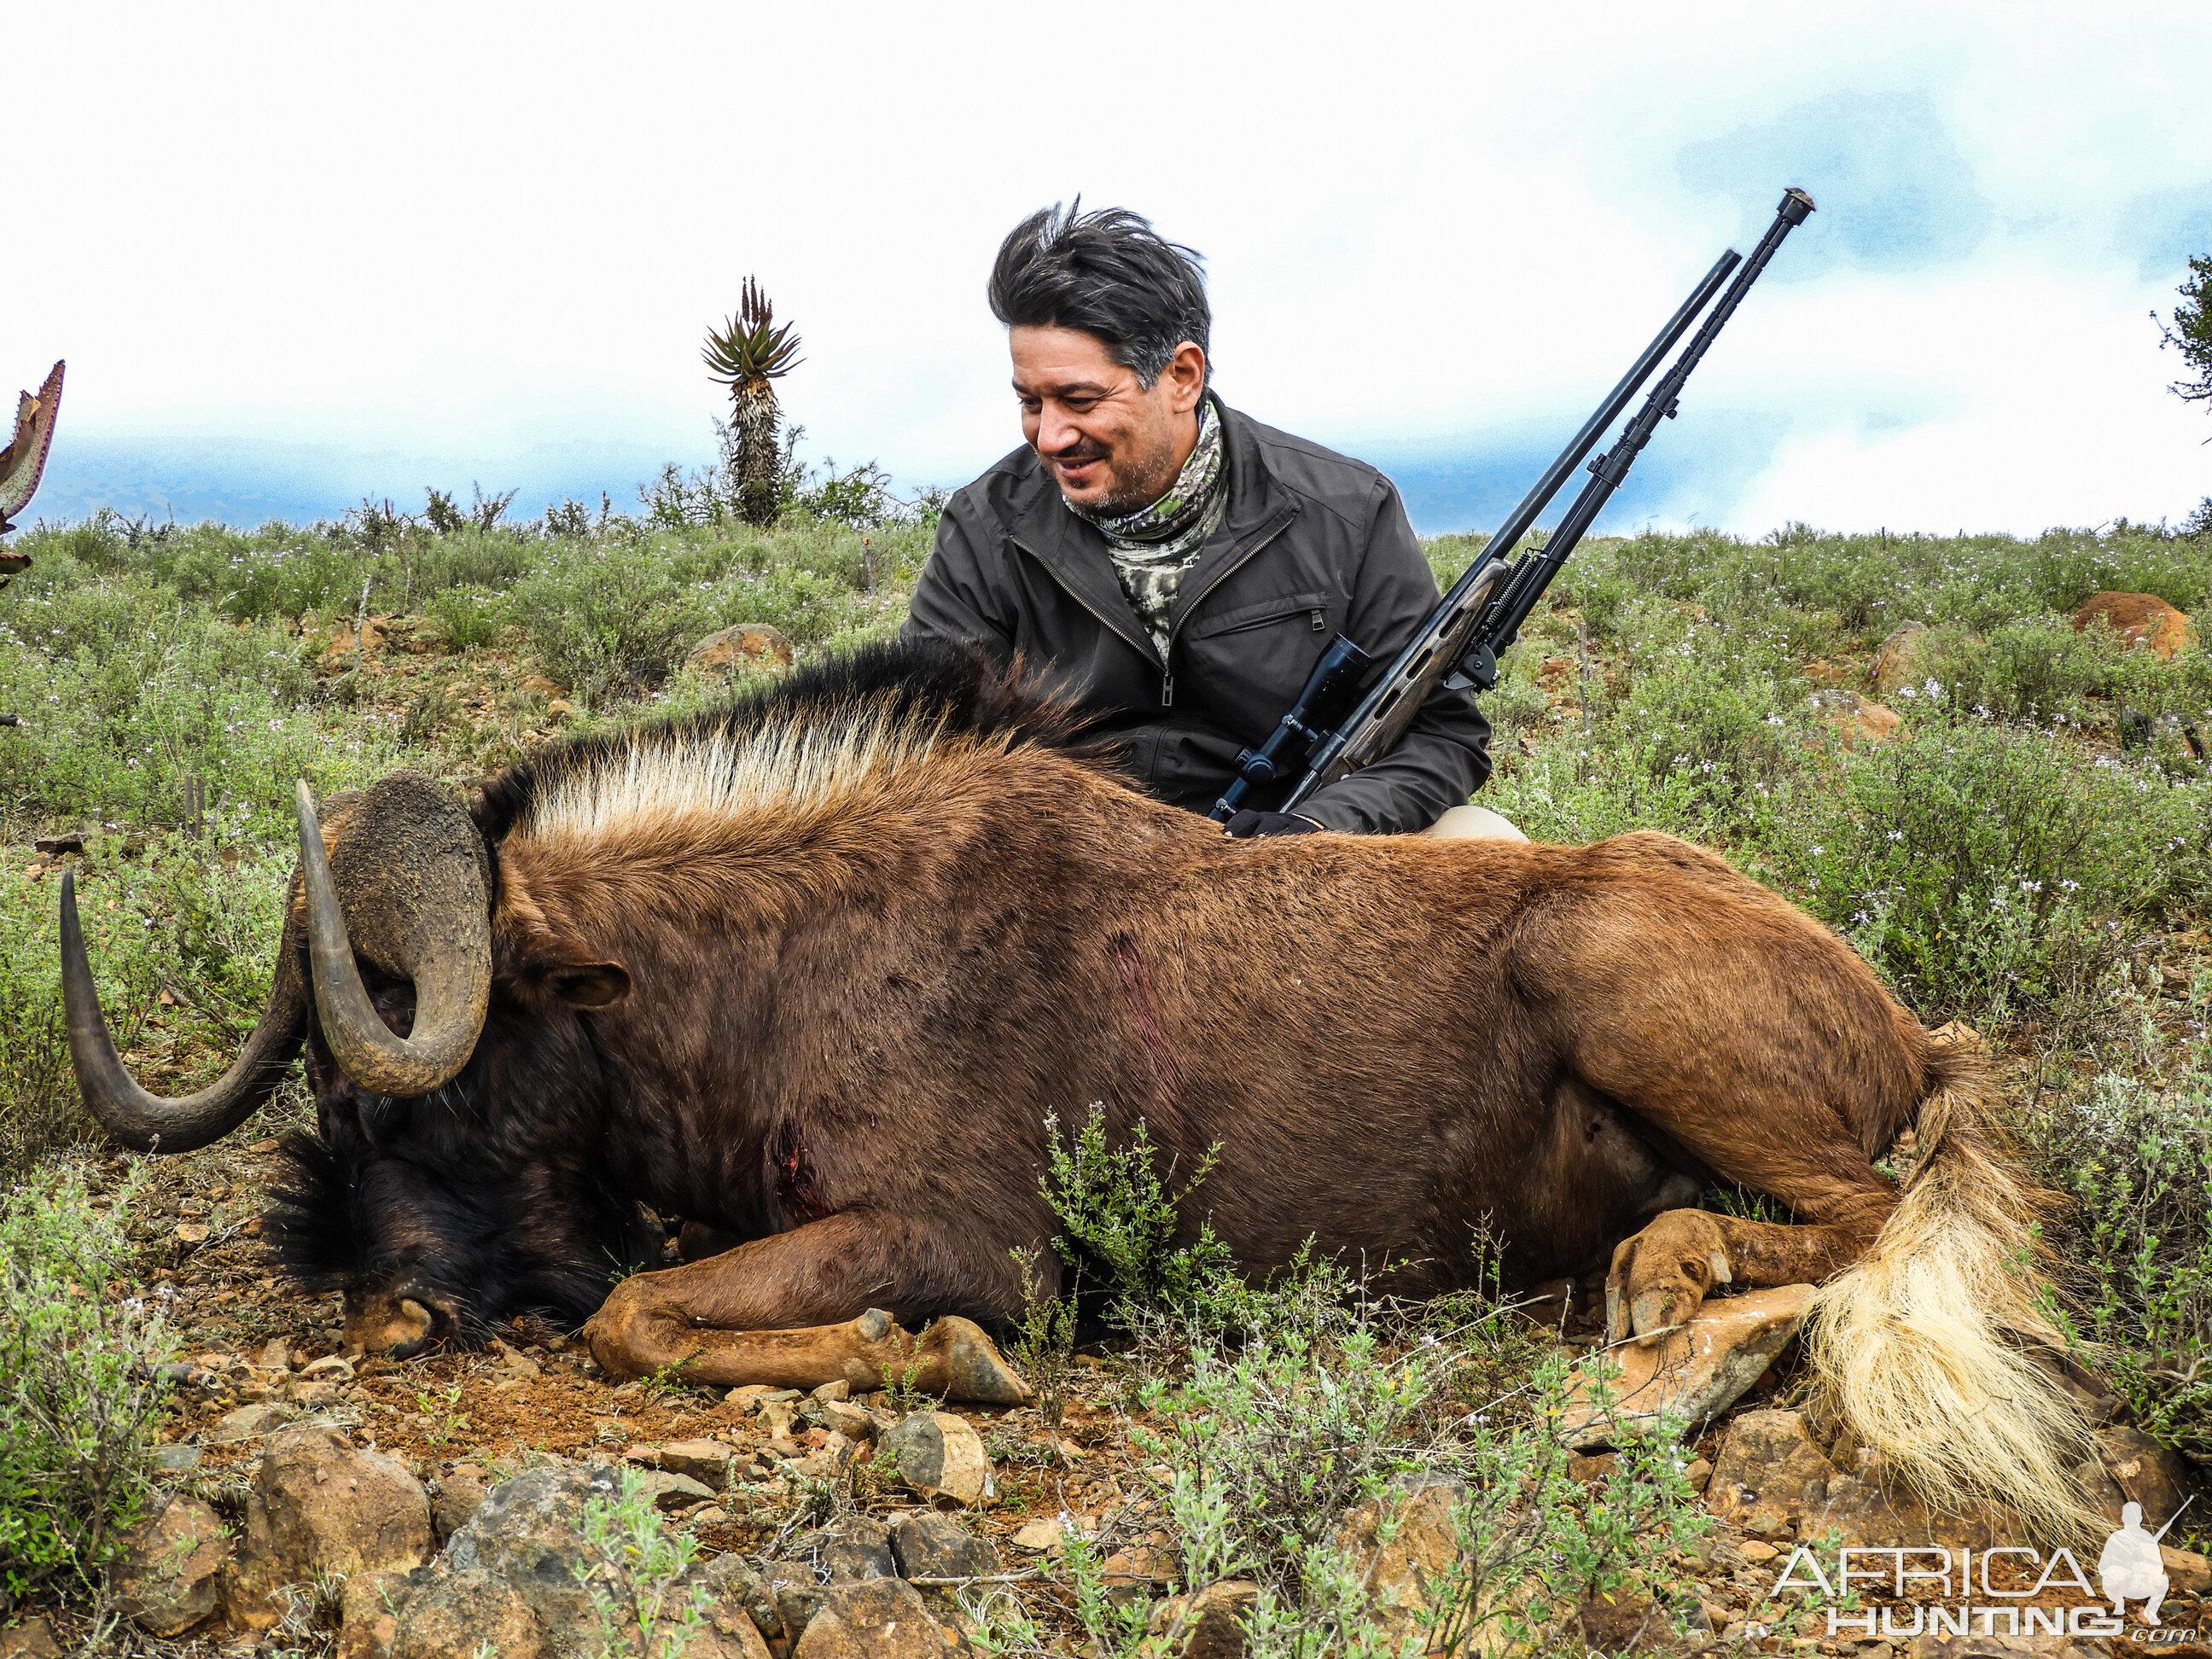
1969,1592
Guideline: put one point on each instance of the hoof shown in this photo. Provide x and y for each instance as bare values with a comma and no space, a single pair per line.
973,1368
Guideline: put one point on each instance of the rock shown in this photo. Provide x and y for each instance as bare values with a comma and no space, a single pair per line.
1045,1533
472,1611
177,1460
856,1548
932,1546
669,1492
459,1497
851,1421
735,1586
2142,620
777,1417
538,686
2186,1572
1401,1545
32,1639
1857,722
2002,1647
1208,1626
1627,1624
1869,1508
319,1506
528,1533
2131,1468
248,1422
707,1462
560,709
796,1592
1901,660
192,1233
274,1355
1768,1471
938,1455
368,1614
1690,1376
169,1576
330,1368
748,647
515,1360
878,1619
834,1393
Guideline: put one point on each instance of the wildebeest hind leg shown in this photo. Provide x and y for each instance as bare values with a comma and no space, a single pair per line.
801,1309
1660,1275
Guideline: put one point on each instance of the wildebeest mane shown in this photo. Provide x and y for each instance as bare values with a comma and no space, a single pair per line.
888,703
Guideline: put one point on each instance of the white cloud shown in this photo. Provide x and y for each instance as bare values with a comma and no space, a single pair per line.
476,241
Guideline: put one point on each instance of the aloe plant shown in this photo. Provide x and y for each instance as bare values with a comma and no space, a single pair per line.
749,355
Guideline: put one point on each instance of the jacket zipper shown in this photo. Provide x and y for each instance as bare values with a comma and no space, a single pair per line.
1167,658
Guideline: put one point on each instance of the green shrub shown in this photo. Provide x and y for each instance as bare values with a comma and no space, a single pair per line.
601,619
1987,870
2135,1156
637,1572
78,1399
466,621
1121,1220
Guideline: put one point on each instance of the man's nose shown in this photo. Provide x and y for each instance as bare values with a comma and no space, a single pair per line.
1055,432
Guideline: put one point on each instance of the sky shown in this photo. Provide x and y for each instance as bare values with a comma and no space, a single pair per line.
297,255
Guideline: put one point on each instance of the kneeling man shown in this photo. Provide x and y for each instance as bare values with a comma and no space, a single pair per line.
1179,566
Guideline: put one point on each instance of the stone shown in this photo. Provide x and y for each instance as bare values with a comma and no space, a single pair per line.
777,1417
1624,1625
368,1614
249,1422
192,1233
177,1460
851,1421
2136,1469
515,1360
856,1548
669,1492
1045,1533
1901,660
319,1506
538,686
274,1355
472,1611
330,1368
1402,1544
1868,1507
459,1497
560,709
2186,1572
1689,1376
1768,1470
834,1393
1859,722
932,1546
877,1618
528,1533
32,1639
940,1455
2003,1647
707,1462
739,1595
169,1576
2141,620
1208,1626
749,648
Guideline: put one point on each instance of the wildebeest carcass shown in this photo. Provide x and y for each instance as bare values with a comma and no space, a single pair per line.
813,970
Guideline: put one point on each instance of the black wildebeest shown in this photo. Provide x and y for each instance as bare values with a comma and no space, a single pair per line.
813,970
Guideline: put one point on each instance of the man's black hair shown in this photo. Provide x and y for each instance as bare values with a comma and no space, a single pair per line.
1110,274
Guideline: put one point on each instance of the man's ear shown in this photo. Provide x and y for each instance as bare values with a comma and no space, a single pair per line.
1185,373
589,984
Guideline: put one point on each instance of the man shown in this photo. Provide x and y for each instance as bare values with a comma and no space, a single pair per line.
1177,565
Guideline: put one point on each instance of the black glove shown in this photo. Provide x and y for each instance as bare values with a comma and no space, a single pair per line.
1247,824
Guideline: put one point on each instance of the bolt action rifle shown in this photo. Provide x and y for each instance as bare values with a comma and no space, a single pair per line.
1332,731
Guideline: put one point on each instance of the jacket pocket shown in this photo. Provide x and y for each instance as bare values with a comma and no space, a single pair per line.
1312,609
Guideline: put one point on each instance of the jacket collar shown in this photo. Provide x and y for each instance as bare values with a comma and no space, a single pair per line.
1075,553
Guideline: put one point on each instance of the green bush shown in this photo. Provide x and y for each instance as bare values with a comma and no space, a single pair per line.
1987,870
2135,1156
79,1403
1121,1220
466,621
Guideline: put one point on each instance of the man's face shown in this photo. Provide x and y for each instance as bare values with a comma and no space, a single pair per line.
1113,444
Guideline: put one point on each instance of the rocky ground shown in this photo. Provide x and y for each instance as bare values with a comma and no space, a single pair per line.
370,1508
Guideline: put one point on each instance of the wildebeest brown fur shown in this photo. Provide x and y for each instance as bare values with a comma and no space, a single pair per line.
815,972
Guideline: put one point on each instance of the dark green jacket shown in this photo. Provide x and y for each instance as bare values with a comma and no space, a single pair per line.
1313,543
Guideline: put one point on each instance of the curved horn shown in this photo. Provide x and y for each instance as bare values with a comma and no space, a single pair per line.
417,897
147,1122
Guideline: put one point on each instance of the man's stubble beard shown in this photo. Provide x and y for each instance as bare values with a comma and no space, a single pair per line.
1154,473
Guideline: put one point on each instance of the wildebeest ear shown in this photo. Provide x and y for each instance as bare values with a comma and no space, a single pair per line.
589,984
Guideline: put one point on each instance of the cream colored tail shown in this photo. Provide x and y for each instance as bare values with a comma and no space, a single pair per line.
1926,1338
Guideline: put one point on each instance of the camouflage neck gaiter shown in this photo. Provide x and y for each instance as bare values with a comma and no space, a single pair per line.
1152,547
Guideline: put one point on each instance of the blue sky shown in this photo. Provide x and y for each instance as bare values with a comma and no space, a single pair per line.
296,256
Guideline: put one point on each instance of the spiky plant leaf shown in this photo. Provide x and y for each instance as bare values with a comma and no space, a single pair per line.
750,346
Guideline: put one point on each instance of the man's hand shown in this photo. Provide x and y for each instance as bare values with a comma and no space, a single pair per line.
1247,824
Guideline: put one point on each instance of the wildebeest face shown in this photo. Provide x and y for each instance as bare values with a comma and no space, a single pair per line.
441,1215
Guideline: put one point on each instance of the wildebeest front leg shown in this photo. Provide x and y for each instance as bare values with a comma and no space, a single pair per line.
1661,1275
809,1307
